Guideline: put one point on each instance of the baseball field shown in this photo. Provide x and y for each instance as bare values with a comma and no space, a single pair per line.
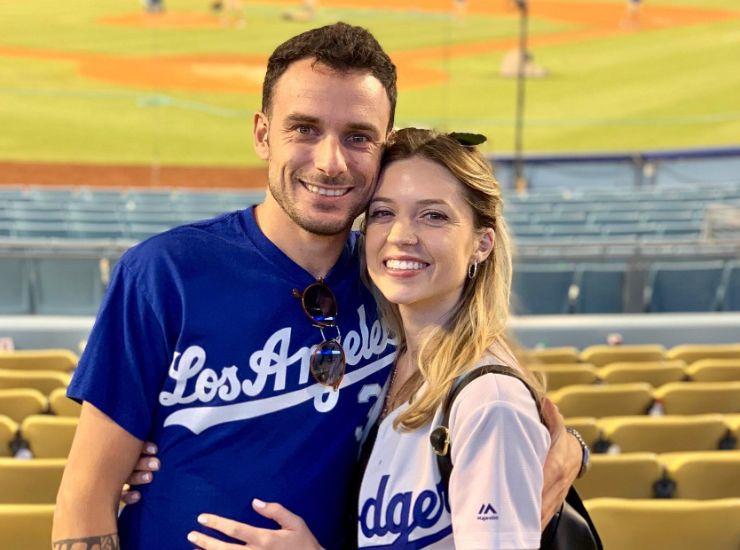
105,82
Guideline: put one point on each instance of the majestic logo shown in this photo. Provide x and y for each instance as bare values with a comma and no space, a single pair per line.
487,512
194,382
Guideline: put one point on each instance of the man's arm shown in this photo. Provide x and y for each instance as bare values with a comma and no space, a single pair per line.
102,456
562,464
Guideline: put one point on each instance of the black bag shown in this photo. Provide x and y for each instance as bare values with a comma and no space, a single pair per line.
571,528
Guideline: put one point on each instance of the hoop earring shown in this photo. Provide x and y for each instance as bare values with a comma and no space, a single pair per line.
472,270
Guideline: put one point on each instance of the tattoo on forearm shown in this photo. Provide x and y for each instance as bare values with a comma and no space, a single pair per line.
104,542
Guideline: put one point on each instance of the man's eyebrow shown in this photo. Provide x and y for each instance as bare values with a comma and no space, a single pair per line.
301,118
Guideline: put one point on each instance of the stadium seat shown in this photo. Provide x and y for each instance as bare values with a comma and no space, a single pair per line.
586,426
43,381
49,436
704,475
19,403
699,397
622,476
68,286
603,400
664,434
560,356
558,377
601,355
8,431
542,289
686,286
33,481
600,288
715,370
26,526
47,359
15,292
61,405
655,373
694,352
659,524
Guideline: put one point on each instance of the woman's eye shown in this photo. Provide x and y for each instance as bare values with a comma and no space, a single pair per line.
435,216
375,214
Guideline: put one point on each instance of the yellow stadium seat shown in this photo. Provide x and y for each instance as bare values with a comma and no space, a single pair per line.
664,434
715,370
8,431
61,405
557,377
603,355
586,426
704,475
26,526
694,352
733,422
622,476
603,400
46,359
655,373
553,355
699,397
659,524
49,436
34,481
22,402
43,381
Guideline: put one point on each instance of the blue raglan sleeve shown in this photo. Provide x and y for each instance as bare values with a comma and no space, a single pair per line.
125,361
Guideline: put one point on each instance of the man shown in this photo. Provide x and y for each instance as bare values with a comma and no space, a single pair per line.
202,344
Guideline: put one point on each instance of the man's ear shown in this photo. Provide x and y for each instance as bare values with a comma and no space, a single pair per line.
485,244
259,132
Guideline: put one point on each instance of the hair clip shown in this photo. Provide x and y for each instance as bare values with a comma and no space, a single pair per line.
468,139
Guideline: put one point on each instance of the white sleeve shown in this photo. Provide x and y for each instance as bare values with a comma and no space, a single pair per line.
499,447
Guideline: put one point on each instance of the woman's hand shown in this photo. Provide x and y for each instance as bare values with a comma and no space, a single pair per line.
292,534
142,474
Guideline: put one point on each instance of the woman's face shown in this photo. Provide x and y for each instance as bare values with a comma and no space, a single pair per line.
420,235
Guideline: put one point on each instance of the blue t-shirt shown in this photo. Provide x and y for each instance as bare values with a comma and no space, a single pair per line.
201,347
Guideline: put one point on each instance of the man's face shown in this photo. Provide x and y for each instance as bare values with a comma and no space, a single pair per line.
323,140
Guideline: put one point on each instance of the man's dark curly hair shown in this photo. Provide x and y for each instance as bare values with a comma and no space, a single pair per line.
341,47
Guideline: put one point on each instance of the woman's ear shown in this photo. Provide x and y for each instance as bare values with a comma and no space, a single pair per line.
485,244
259,132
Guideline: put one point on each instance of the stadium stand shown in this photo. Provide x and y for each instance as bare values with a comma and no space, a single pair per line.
30,481
18,403
61,405
26,526
685,287
557,377
695,352
699,397
599,288
600,355
626,524
48,436
704,475
622,476
604,400
43,381
663,434
61,360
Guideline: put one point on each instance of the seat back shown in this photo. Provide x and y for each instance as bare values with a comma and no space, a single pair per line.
601,355
603,400
694,352
559,377
622,476
8,431
43,381
715,370
542,289
664,434
559,355
67,286
49,436
26,526
699,397
15,292
704,475
61,360
61,405
689,286
30,481
600,288
655,373
18,403
658,523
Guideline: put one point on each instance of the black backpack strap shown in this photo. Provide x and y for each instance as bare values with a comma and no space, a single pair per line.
440,436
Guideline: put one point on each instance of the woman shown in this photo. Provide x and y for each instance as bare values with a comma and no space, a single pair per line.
438,256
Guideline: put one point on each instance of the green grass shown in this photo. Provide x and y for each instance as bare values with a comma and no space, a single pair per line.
655,89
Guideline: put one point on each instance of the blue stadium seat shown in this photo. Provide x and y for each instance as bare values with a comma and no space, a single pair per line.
67,286
15,290
731,300
600,288
542,289
689,286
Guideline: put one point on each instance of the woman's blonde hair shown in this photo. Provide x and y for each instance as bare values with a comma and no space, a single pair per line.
478,323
